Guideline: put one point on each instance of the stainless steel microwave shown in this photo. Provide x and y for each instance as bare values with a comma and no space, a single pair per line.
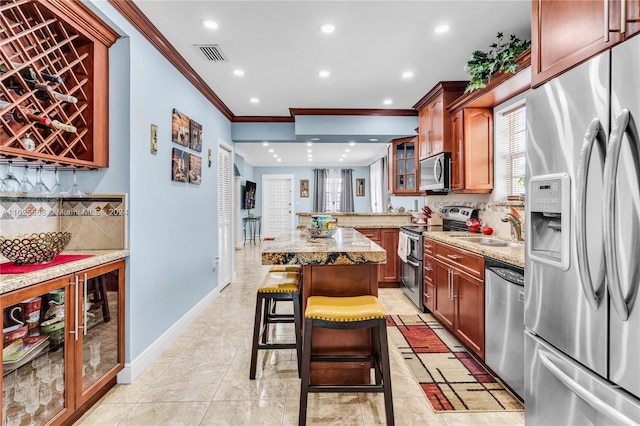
435,173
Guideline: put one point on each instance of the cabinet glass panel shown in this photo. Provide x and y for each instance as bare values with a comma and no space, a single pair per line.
411,182
400,166
400,182
400,151
411,167
410,150
100,334
33,366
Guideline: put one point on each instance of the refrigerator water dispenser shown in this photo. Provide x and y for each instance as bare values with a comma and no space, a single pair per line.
549,230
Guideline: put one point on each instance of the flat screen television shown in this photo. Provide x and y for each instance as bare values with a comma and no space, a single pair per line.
249,199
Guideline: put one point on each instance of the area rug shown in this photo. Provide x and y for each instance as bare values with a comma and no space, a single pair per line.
451,378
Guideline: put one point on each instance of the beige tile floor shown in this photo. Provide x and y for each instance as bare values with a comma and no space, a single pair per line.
208,384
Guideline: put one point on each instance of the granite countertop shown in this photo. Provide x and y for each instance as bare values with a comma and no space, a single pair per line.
10,282
346,247
371,226
357,214
511,255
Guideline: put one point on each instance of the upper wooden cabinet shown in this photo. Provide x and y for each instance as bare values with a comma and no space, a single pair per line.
472,151
433,118
404,178
565,33
54,83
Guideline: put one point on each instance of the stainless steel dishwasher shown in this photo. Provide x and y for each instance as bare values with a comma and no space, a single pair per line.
504,322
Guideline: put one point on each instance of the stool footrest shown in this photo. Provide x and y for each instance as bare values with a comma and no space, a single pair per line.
278,318
342,358
277,346
345,388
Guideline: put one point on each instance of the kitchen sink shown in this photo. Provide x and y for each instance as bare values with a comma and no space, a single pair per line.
493,242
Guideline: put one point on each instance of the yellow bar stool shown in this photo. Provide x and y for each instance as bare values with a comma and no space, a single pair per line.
276,287
354,312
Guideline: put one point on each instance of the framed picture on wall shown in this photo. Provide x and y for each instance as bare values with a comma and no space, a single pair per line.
195,169
304,188
179,164
359,187
195,136
180,128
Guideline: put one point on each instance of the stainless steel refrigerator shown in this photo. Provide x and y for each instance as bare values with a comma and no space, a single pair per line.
582,313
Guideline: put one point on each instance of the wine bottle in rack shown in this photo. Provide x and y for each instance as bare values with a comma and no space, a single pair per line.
32,74
32,116
63,126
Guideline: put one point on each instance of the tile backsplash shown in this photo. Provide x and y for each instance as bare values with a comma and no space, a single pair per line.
97,222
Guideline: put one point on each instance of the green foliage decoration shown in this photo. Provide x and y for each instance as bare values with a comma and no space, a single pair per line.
500,58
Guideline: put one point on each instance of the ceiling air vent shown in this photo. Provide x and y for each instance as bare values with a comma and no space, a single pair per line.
212,52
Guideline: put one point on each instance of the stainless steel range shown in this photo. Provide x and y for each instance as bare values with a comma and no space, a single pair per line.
454,218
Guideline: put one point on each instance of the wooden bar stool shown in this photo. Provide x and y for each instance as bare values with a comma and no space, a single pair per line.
354,312
97,291
276,287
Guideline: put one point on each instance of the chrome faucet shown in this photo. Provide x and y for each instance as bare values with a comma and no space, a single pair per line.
516,225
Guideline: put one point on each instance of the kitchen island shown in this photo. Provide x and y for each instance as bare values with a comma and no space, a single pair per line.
343,265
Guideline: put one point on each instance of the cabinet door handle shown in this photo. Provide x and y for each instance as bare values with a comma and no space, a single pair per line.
606,20
428,246
454,256
75,330
84,307
623,17
428,268
453,294
449,283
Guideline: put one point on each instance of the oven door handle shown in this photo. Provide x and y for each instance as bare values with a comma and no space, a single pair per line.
416,264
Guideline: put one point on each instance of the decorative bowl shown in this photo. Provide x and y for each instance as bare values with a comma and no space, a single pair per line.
32,249
320,233
52,325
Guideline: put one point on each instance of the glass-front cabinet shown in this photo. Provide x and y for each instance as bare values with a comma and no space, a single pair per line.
404,166
63,343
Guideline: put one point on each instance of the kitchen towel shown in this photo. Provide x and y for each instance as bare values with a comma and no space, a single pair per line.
403,246
10,268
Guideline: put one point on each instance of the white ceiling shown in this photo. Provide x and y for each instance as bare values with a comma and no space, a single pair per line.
280,49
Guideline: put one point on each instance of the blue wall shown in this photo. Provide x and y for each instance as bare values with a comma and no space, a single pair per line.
173,229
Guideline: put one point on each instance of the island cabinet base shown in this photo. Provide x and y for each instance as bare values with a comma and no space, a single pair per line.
340,280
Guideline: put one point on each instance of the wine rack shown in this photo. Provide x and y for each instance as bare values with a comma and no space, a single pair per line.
53,83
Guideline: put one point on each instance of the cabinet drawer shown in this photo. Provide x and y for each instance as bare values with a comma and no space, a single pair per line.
428,266
372,234
429,296
429,246
462,259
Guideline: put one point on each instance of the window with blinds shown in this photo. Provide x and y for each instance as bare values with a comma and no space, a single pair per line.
516,143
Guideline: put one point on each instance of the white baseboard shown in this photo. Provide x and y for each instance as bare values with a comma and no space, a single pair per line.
152,352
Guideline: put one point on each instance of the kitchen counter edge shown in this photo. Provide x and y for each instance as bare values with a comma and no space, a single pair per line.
511,255
11,282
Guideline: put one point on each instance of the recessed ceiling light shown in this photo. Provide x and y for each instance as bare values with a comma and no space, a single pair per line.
310,159
254,100
373,140
271,151
265,143
347,150
327,28
407,74
314,139
352,143
309,143
324,73
309,150
208,23
387,102
279,159
442,29
309,155
342,159
239,73
275,155
344,155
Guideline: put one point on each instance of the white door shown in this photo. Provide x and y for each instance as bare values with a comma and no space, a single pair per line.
224,215
277,204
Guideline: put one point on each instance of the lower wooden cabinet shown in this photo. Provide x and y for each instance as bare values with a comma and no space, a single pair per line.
458,292
387,238
74,345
